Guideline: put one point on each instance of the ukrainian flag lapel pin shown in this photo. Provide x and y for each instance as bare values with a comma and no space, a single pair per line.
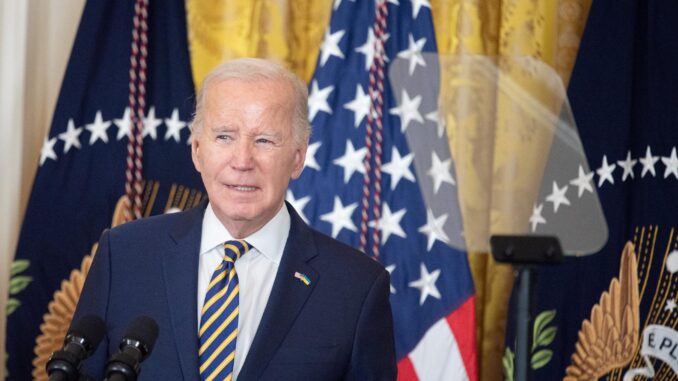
302,277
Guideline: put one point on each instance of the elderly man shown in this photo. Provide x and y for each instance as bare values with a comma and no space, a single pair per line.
241,287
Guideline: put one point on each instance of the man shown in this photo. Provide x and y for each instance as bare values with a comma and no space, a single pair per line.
275,299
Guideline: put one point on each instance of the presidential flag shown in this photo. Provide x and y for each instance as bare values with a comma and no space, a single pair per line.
624,101
379,176
130,59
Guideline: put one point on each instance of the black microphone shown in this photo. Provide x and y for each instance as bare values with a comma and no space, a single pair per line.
80,342
135,347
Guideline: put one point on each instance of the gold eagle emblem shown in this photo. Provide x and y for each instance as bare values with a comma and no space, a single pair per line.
610,338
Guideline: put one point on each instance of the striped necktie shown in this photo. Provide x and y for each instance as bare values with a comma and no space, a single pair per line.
219,320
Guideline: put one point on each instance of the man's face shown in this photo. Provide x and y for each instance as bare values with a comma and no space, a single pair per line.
246,152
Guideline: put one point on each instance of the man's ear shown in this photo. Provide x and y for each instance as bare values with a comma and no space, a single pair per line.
195,152
299,160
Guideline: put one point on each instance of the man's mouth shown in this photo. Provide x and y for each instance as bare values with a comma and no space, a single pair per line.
242,188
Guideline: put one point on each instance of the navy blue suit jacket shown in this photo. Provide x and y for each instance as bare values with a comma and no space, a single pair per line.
337,328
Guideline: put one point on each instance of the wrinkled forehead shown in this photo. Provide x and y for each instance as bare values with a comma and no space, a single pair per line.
268,92
252,101
271,90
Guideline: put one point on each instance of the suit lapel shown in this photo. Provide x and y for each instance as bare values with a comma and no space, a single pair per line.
180,268
287,298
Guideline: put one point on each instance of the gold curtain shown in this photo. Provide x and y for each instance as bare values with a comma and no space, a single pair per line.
290,31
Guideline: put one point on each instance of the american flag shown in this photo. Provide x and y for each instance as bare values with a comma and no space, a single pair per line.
349,189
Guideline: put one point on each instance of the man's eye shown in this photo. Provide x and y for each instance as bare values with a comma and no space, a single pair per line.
223,137
263,141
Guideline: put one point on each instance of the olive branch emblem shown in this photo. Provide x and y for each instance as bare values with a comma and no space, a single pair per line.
17,283
543,335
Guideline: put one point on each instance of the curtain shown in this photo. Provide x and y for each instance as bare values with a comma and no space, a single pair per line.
288,31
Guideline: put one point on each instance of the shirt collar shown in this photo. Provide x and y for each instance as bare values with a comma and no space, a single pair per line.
269,240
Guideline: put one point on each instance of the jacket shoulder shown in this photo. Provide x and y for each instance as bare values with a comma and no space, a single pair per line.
341,253
159,224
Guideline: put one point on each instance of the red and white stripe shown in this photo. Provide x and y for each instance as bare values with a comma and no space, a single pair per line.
447,351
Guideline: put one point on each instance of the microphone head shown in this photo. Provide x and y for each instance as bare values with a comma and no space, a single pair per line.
144,331
88,332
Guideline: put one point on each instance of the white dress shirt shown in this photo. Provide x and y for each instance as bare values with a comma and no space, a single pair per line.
256,271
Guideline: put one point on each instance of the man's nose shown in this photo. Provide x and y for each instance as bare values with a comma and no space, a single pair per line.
243,156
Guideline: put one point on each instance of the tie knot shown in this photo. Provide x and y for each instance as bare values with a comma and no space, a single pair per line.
234,249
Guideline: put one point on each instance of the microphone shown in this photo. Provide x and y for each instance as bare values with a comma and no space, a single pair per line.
80,342
135,347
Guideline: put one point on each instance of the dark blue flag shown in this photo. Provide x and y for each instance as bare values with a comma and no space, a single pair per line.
82,169
623,96
432,292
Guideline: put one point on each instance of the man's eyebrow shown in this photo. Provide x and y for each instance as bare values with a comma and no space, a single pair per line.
223,128
265,133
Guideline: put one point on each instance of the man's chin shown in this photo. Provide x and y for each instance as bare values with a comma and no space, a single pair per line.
239,215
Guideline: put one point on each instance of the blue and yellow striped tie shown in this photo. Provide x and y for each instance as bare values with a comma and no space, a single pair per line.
219,320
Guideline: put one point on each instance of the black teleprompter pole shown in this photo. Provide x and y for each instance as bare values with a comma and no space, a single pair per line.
524,253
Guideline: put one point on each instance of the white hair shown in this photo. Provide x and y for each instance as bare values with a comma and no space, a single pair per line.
256,69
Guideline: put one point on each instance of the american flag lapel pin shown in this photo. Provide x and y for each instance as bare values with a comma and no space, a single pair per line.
302,277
